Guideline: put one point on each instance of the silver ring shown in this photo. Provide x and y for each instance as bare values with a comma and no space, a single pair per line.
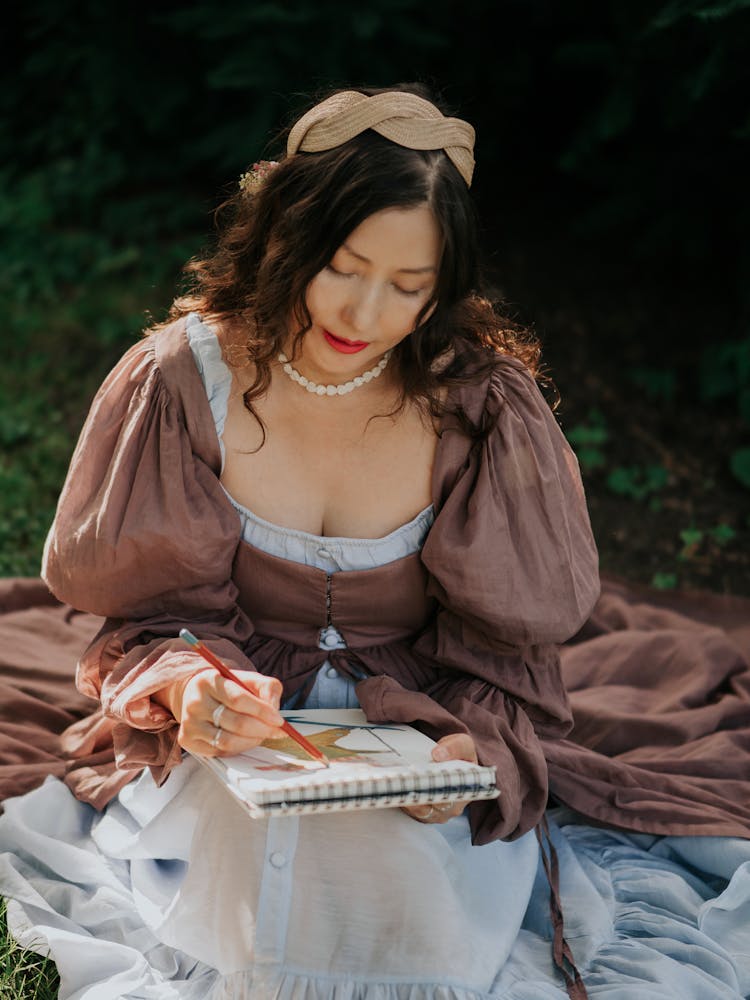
216,717
217,737
428,815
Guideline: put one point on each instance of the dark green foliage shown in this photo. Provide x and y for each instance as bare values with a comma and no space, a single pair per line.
623,126
126,124
725,374
740,465
636,482
665,133
588,440
657,383
116,131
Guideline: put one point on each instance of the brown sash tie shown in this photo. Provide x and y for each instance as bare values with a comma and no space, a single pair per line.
561,952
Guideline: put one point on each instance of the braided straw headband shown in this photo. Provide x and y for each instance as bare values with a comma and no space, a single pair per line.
403,118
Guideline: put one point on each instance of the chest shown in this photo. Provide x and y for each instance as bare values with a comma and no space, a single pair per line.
336,472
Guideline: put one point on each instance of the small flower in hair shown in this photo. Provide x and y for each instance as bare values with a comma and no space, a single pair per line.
254,177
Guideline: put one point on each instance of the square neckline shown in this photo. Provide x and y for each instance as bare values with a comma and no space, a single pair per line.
348,540
309,536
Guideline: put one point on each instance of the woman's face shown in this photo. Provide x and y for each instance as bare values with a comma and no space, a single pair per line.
366,300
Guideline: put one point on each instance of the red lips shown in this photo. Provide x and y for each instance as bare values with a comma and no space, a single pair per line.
344,346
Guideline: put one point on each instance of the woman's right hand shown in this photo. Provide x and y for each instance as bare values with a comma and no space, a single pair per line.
244,719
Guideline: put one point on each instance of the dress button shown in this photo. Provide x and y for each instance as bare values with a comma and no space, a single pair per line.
330,640
332,672
324,553
277,859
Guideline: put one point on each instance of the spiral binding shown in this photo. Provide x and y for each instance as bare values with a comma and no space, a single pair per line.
385,790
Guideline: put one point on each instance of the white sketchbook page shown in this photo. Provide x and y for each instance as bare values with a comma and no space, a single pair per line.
358,751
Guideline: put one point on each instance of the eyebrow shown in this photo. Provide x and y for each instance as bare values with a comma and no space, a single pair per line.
401,270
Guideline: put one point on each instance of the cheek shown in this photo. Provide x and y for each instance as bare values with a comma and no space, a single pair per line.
322,294
313,296
405,315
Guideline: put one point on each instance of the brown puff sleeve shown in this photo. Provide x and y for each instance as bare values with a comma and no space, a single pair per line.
512,552
513,565
145,536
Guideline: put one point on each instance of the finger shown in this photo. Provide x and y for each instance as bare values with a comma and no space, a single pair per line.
221,742
269,689
204,706
455,809
261,702
446,811
455,746
243,724
422,814
433,813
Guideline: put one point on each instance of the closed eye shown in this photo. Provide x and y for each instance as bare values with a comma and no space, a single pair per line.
352,274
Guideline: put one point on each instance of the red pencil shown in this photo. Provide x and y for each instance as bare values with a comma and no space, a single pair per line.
224,670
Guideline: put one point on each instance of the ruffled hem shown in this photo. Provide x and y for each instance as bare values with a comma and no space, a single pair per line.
303,987
655,917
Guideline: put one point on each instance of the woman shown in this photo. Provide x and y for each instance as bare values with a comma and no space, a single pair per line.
335,469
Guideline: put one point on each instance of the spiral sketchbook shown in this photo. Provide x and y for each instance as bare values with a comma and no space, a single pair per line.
371,766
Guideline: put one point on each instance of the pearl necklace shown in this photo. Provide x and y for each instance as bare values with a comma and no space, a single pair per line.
334,390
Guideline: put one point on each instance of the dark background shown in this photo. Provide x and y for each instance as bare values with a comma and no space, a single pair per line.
612,170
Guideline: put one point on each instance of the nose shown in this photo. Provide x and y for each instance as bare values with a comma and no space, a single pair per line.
362,306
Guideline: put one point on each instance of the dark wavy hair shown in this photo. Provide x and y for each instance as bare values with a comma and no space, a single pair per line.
273,242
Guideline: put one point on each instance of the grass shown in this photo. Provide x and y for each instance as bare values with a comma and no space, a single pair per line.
24,975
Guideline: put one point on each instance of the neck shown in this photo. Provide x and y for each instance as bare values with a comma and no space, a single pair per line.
333,383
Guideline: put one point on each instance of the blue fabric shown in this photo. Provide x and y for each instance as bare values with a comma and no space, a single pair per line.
652,916
647,917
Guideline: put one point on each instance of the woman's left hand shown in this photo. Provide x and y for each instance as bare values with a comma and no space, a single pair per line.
456,746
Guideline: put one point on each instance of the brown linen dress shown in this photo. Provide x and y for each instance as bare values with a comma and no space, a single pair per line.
460,636
463,635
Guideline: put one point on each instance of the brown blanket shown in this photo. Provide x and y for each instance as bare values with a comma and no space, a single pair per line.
660,687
